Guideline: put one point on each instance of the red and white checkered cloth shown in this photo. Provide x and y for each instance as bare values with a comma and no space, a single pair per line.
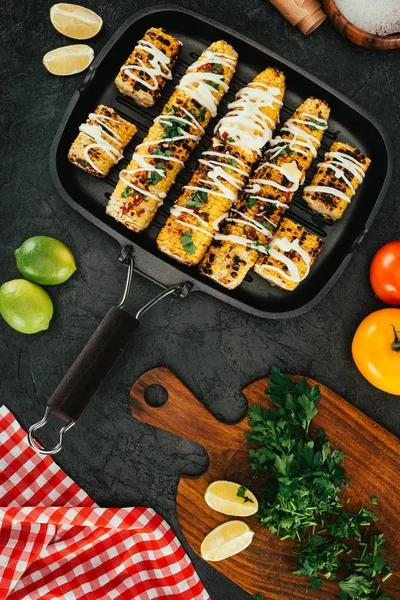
55,542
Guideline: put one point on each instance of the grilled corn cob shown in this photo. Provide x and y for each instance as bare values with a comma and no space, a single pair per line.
251,224
223,168
291,253
157,161
101,141
146,70
336,181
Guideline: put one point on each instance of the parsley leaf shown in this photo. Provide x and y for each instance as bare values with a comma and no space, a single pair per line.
187,243
267,225
198,200
241,493
172,127
283,151
201,114
213,84
127,192
159,152
251,201
354,585
315,583
313,123
231,140
155,177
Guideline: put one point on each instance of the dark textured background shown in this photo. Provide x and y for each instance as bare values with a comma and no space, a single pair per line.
215,349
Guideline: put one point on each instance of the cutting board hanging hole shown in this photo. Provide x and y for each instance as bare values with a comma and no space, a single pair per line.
156,395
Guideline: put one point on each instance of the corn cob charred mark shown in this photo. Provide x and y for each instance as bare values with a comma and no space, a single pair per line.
336,181
292,252
157,161
223,169
252,223
147,69
101,141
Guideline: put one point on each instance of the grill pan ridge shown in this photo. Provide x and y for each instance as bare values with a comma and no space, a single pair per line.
348,122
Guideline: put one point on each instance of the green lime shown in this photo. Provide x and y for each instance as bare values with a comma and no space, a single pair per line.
45,260
25,306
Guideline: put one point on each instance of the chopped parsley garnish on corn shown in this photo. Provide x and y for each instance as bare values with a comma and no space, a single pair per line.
224,167
173,135
252,223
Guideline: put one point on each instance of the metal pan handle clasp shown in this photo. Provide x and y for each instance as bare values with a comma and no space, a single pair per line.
38,425
97,358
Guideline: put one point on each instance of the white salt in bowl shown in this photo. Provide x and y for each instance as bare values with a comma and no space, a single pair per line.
356,34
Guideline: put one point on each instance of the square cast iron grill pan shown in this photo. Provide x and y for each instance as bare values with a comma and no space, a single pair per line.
349,123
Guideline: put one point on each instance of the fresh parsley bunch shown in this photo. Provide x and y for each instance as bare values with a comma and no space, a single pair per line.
301,499
306,476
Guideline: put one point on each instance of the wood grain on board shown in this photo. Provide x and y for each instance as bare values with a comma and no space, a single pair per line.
372,464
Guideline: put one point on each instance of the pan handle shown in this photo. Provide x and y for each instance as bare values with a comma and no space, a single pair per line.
87,373
95,362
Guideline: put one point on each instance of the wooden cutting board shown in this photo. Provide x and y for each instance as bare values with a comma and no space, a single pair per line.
372,464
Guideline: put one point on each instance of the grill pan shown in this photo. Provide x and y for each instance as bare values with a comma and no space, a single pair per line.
89,195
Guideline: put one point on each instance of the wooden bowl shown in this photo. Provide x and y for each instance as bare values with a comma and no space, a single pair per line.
357,35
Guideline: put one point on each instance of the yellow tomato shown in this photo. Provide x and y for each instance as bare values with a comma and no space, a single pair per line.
376,349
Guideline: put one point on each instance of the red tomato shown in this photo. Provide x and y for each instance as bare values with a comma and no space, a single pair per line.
385,273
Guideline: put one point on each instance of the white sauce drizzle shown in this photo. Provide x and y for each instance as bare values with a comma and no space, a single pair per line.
249,221
289,170
284,245
318,119
178,210
146,167
214,57
245,123
101,118
267,200
307,122
158,60
194,83
340,162
218,220
237,239
202,94
300,138
98,135
218,176
349,163
325,189
222,155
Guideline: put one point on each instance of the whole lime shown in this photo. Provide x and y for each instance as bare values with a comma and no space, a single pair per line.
45,260
25,306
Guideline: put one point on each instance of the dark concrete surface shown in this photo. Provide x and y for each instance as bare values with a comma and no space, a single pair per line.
215,349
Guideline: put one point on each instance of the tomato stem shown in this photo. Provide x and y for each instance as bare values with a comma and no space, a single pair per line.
396,341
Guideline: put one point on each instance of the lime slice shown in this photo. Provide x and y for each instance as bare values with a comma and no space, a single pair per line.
45,260
25,306
223,497
68,60
75,21
226,540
